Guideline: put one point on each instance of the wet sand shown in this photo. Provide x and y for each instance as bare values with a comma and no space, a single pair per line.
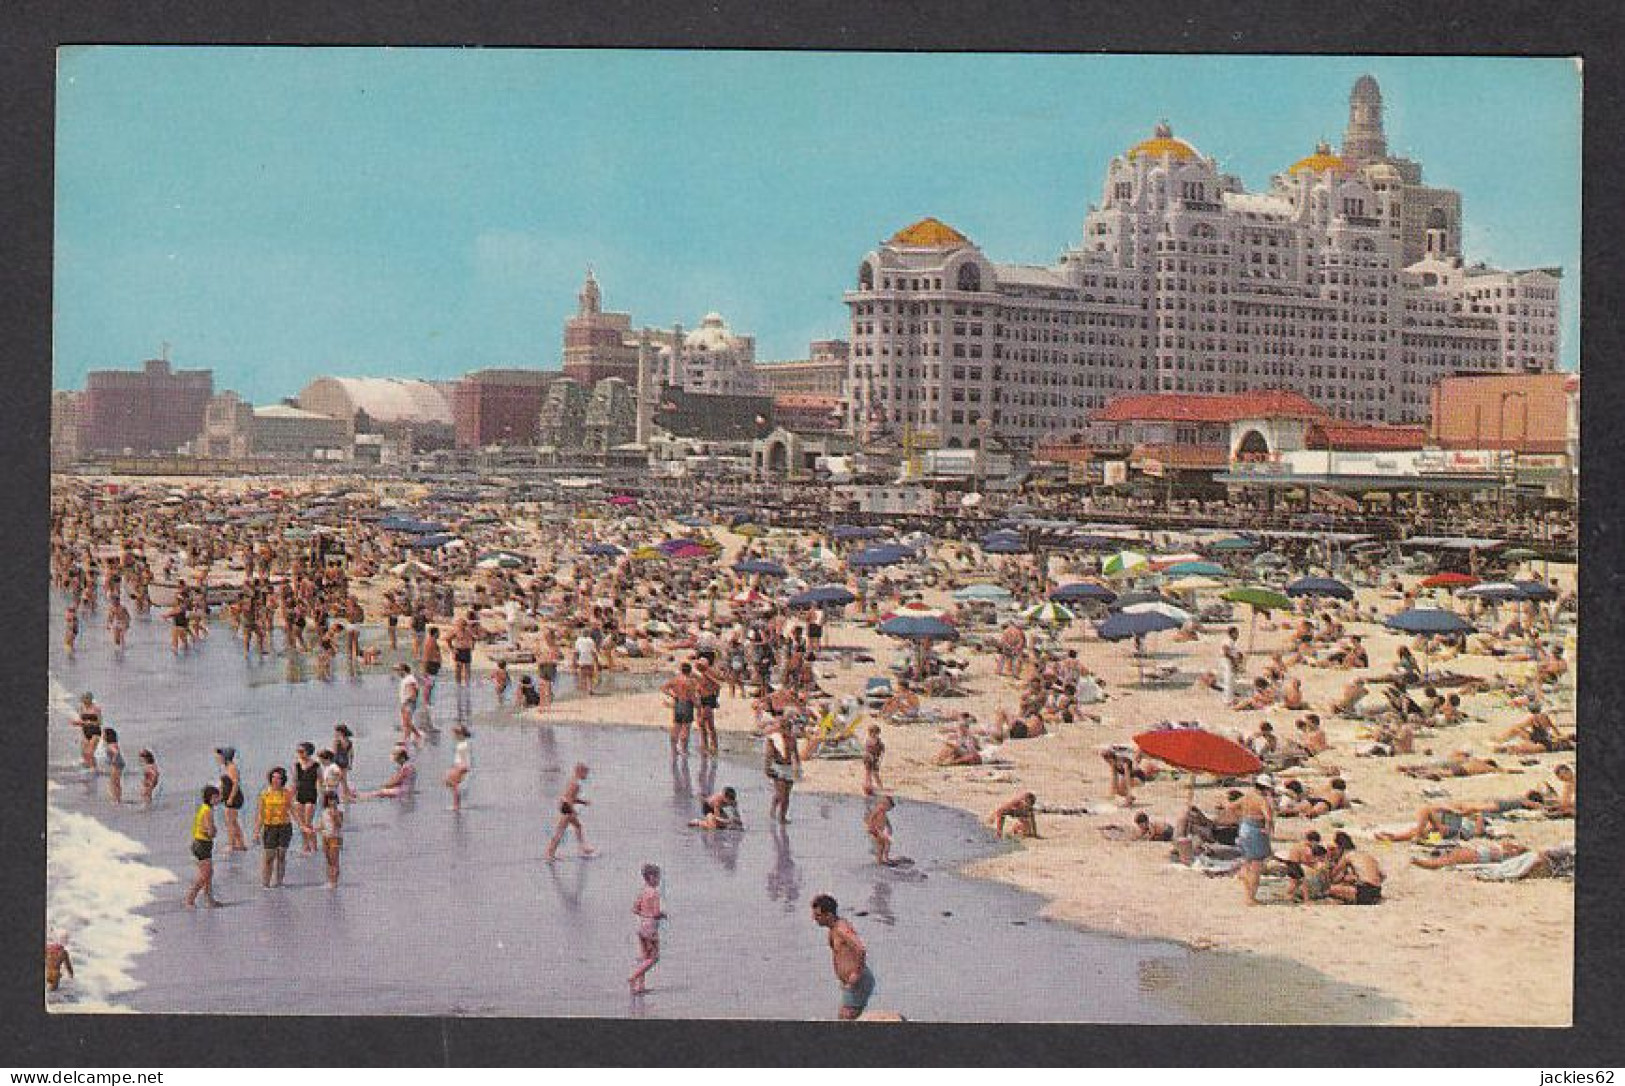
443,913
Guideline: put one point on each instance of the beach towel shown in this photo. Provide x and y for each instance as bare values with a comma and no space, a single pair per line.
1056,809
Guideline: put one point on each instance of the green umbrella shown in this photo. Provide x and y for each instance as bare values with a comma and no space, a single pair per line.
1259,599
1123,563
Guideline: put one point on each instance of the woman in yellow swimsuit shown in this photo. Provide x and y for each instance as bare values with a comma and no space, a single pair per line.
273,825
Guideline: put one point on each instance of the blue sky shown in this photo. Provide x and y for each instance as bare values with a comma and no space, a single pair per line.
279,214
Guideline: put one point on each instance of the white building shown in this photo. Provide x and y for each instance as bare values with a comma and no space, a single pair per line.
1185,282
712,359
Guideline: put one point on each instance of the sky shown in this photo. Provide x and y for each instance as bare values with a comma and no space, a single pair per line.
280,214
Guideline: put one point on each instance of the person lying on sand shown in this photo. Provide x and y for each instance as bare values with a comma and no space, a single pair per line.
1457,764
1479,852
1448,820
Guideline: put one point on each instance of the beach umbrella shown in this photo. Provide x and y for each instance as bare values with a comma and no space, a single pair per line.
1083,591
1320,587
1003,543
1428,620
603,550
749,531
761,567
1233,543
1199,751
1449,580
1270,558
749,595
1534,590
500,560
1520,554
296,533
1048,613
688,551
739,520
843,532
410,568
1087,542
1123,563
431,542
1178,614
623,501
1126,624
693,522
1494,591
878,556
1163,562
824,595
1196,569
982,593
919,628
1259,599
647,553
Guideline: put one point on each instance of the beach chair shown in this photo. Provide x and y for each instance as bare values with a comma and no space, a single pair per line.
877,691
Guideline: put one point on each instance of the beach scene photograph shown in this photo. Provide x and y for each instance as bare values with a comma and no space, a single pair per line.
770,535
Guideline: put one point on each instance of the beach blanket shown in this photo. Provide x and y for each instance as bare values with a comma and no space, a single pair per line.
1057,809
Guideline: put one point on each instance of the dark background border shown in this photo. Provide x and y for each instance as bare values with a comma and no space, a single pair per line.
29,34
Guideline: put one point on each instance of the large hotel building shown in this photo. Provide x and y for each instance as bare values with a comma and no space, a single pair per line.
1344,282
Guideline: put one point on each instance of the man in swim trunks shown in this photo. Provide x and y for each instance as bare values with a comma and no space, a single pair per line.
1357,878
1479,852
850,958
1022,810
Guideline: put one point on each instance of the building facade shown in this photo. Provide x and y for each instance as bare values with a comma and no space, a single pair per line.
1185,282
66,425
498,407
712,359
228,428
598,344
151,410
1526,414
284,432
822,373
411,413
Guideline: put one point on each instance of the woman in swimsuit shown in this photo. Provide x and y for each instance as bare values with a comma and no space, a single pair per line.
90,730
782,761
115,765
273,825
70,628
306,771
231,796
332,839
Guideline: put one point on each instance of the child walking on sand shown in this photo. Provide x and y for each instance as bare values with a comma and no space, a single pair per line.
648,910
873,751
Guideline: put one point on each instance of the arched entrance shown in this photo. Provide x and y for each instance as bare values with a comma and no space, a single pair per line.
1252,446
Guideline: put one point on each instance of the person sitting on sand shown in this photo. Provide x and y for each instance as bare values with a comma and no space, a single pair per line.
1311,737
1348,702
959,748
1479,852
402,782
1263,742
1315,876
1534,734
1262,696
1022,811
1292,694
719,811
1356,877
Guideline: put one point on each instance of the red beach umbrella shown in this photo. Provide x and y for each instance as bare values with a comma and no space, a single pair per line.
1199,751
1449,580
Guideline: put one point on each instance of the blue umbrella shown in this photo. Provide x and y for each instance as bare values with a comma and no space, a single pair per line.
843,532
918,628
1320,586
1125,624
878,556
693,522
1534,590
604,550
761,566
1088,543
1003,543
1081,592
430,542
823,595
1428,620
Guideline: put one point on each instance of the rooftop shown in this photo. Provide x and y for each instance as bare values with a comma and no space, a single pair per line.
1201,407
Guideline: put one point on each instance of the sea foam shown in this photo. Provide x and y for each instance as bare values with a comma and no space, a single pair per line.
95,883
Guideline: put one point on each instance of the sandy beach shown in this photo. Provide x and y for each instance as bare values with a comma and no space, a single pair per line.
1445,948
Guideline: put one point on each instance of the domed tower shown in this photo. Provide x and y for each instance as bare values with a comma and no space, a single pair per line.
1363,141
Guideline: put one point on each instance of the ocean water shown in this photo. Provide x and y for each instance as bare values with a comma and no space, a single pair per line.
443,913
